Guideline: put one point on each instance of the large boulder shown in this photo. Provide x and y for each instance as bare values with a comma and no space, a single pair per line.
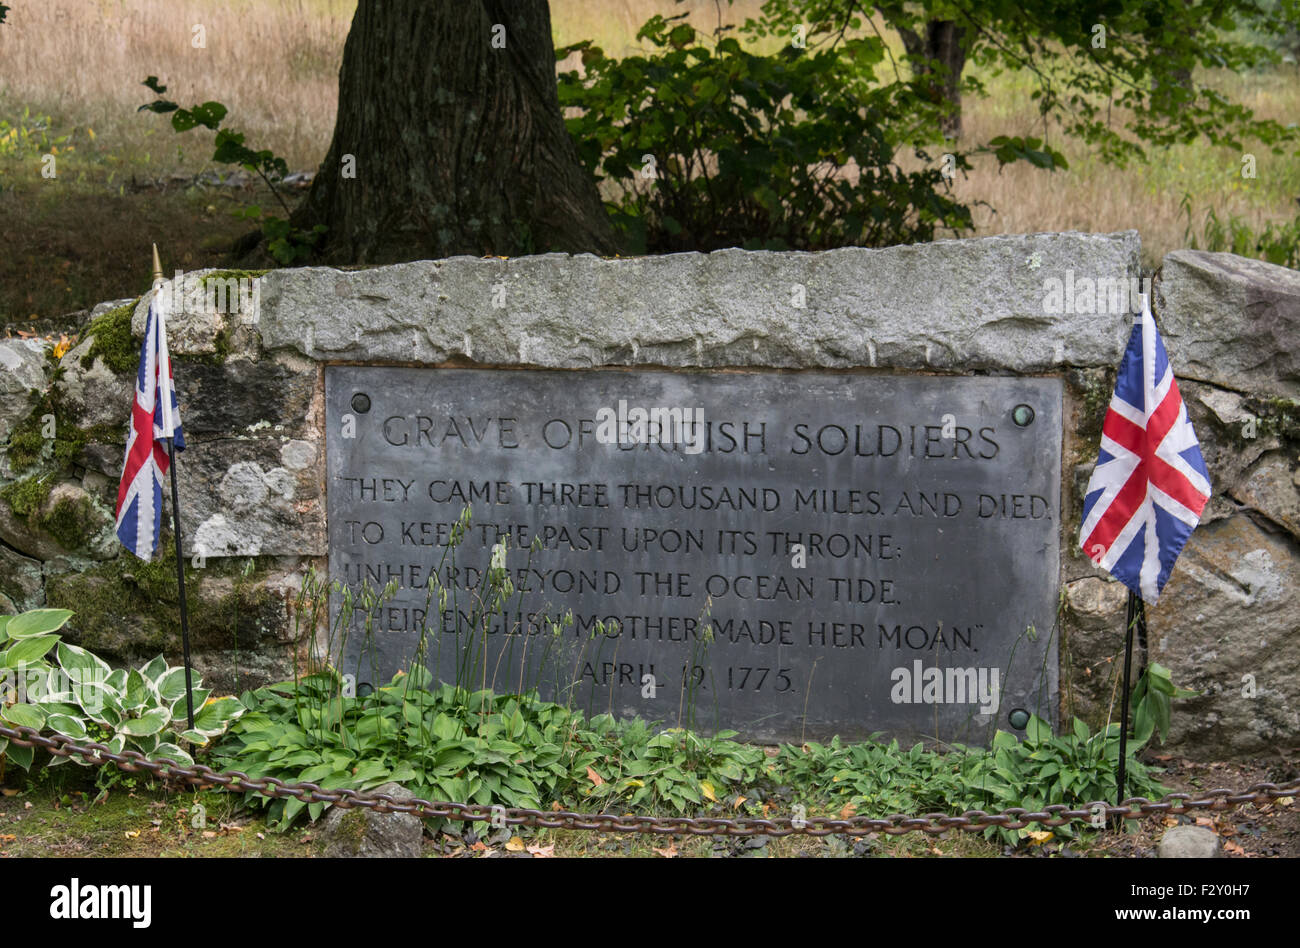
1232,321
1228,626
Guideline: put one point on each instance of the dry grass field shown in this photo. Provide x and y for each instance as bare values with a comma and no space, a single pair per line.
70,74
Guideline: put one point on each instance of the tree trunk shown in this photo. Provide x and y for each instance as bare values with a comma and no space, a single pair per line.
942,56
449,139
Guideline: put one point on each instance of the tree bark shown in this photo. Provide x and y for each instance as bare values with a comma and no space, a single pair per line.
457,144
941,54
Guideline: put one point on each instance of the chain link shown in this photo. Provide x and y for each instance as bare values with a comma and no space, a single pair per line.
896,824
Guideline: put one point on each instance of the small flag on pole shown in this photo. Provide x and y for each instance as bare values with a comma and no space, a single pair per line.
155,417
1150,485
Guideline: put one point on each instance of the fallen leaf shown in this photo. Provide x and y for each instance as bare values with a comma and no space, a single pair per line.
543,852
739,801
1170,821
1205,821
132,834
1281,801
1041,836
708,791
848,811
594,777
61,346
208,834
9,792
555,807
261,836
669,853
515,845
1234,849
6,838
478,847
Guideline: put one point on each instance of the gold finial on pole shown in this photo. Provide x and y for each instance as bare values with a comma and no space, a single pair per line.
157,267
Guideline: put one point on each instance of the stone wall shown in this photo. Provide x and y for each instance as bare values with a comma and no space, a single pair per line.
253,479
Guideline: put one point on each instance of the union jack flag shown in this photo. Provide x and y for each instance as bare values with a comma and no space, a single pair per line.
1150,484
155,416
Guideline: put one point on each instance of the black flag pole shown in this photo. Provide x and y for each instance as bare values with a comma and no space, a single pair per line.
1135,619
176,531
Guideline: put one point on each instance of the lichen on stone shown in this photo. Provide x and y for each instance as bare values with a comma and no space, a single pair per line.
228,274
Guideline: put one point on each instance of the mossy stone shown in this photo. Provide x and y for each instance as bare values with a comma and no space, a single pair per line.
112,340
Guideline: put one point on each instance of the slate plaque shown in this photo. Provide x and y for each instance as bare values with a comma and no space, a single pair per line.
790,555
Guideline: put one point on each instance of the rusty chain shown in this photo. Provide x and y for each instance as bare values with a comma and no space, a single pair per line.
894,825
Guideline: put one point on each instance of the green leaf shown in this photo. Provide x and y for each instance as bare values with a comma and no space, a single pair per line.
25,651
67,725
81,665
1081,730
1005,739
22,756
171,684
215,716
154,669
148,724
137,693
1037,729
209,114
37,622
24,715
171,750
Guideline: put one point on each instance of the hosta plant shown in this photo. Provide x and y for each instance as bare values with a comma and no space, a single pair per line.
79,696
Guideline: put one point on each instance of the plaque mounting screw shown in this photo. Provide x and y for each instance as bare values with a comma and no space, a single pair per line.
1022,415
361,403
1018,718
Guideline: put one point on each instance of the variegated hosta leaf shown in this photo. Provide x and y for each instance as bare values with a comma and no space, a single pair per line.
24,715
80,665
217,715
139,692
67,725
148,724
171,750
154,669
99,702
180,712
28,651
36,622
171,685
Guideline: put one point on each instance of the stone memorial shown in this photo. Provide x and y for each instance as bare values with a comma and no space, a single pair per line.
868,552
881,513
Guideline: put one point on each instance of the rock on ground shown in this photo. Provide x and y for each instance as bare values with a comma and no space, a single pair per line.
1188,842
360,831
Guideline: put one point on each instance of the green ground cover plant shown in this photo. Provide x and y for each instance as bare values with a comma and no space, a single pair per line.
466,742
